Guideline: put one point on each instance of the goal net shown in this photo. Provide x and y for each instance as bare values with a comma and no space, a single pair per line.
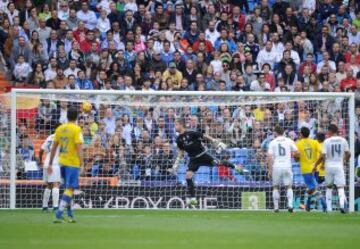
130,145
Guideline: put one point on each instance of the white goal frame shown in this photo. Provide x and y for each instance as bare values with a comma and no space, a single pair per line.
349,96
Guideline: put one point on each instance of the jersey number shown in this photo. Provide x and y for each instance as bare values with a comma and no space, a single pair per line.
308,153
64,142
282,150
335,149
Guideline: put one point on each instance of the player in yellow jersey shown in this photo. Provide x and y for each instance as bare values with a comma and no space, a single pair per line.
68,138
309,152
320,172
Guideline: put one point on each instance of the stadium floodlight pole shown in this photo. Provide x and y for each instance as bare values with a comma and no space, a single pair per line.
13,152
351,107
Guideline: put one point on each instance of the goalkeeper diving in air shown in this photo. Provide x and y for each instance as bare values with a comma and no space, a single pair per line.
191,142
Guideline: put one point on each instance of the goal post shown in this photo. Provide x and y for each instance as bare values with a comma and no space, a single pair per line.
119,173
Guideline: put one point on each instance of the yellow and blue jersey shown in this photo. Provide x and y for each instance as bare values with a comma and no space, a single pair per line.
68,136
309,151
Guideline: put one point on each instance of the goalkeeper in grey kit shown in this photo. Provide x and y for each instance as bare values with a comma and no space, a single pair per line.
191,143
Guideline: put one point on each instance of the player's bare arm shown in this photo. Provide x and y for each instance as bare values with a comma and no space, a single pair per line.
52,155
41,153
270,161
318,162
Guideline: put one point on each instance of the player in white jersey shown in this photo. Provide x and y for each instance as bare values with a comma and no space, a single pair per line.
280,151
335,153
53,179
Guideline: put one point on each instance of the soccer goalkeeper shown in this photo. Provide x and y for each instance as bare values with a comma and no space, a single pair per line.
191,143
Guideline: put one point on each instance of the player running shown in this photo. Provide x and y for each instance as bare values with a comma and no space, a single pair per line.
52,180
309,151
334,153
191,143
280,168
69,139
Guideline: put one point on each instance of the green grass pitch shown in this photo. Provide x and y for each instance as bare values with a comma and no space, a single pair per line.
140,229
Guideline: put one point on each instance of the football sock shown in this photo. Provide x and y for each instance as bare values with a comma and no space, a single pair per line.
329,199
342,197
46,197
276,197
190,187
55,197
290,197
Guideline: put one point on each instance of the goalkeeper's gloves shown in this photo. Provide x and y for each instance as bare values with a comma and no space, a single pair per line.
220,146
175,167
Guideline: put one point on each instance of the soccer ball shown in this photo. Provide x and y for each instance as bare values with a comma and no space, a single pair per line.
86,106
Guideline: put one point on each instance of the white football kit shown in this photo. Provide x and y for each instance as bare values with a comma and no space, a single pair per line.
334,149
55,175
280,149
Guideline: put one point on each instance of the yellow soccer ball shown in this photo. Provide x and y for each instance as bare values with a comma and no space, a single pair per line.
86,106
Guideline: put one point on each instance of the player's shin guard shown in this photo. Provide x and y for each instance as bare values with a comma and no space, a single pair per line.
290,197
329,199
46,197
276,197
55,197
190,187
342,197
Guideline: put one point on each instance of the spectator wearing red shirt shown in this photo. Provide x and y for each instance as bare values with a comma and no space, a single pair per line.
208,45
309,62
352,51
85,46
349,82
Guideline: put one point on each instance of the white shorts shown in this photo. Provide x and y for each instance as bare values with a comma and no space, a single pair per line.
282,175
55,176
335,176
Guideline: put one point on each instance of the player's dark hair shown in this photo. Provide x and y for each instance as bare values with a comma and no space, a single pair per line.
333,129
279,130
305,132
320,137
72,113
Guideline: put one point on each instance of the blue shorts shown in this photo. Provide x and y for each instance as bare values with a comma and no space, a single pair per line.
310,181
70,176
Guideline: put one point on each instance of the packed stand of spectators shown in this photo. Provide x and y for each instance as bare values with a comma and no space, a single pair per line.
177,45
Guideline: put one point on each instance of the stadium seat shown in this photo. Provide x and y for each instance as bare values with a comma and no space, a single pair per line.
202,176
215,175
181,174
34,175
136,172
298,179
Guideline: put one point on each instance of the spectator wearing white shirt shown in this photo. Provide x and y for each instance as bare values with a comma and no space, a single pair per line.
22,69
354,35
87,16
267,55
294,55
103,24
277,46
310,5
131,5
104,5
50,73
211,33
63,11
3,5
110,122
326,61
72,69
12,12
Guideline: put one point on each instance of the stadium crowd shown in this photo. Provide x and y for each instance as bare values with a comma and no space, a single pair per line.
178,45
